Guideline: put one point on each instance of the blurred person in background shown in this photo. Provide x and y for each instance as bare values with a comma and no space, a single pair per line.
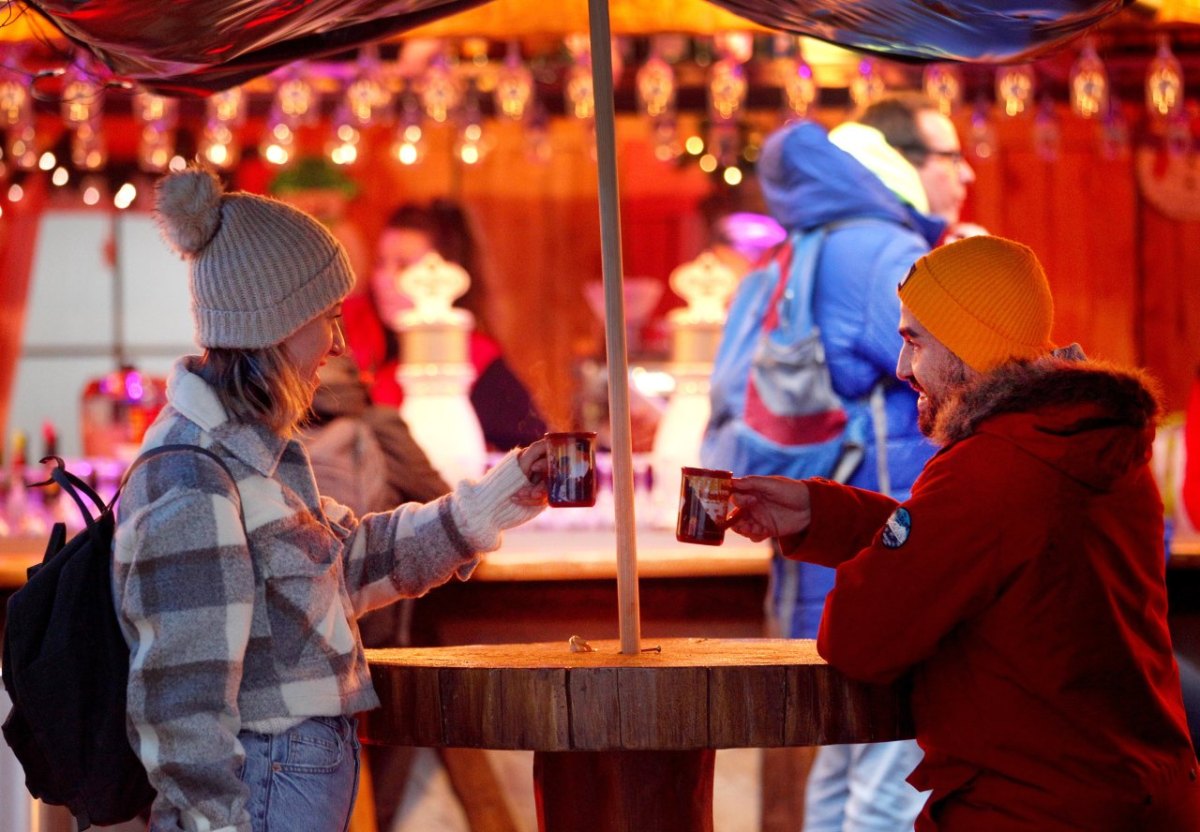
504,407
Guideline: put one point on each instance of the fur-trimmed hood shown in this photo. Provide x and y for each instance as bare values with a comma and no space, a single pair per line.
1090,420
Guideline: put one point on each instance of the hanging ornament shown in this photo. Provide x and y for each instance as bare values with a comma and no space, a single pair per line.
943,84
89,151
666,138
514,84
867,86
981,137
344,136
156,146
1015,88
15,104
1089,83
367,97
21,144
726,89
295,98
799,86
218,144
440,93
1164,82
17,121
82,97
578,92
470,147
227,106
1047,131
1114,132
409,145
279,139
656,87
155,109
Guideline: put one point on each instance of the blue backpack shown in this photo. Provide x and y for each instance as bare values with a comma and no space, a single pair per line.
774,409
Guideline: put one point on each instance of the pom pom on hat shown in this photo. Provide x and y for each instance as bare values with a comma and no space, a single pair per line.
986,299
258,268
189,209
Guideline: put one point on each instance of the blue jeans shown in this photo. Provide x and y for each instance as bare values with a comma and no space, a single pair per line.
856,788
304,779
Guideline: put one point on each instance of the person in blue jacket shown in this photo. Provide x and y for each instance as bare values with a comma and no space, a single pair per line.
899,166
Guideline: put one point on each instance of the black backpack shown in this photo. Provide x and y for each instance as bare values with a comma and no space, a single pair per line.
66,669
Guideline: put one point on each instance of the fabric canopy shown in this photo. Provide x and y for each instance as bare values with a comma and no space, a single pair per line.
202,46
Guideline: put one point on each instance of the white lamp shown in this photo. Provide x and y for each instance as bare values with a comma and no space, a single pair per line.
436,372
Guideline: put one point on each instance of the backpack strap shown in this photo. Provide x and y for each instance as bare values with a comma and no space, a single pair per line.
163,449
73,486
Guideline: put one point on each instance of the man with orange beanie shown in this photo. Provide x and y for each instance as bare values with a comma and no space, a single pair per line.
1021,586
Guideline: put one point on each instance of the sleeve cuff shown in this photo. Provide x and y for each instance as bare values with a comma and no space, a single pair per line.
485,508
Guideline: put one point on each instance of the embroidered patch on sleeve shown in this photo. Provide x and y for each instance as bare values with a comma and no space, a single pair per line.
897,528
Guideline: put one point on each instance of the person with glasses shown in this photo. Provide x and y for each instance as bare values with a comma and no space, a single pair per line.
886,185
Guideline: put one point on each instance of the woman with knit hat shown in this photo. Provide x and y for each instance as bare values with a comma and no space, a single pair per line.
238,590
1022,585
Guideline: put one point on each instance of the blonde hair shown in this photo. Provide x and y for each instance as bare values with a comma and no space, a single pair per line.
259,385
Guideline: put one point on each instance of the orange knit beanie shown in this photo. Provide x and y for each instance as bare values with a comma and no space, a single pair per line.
985,298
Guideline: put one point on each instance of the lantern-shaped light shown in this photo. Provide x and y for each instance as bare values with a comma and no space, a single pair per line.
1164,82
514,85
726,88
943,84
367,96
799,86
344,136
656,87
279,139
1089,83
296,100
440,93
82,97
578,91
227,106
409,145
1015,88
867,85
89,150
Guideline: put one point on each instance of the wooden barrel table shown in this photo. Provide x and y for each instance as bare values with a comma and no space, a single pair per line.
626,743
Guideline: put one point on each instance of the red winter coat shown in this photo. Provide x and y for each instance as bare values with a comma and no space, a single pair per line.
1022,585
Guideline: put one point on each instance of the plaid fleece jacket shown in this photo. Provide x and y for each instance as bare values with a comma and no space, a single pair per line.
253,627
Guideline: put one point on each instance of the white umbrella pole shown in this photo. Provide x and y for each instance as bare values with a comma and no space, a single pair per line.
614,326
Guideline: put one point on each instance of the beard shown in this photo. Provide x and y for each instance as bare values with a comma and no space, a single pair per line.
934,402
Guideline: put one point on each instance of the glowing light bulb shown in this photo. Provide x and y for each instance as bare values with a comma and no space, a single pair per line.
1164,82
726,88
943,84
440,92
799,86
514,85
867,86
1015,88
656,87
1089,83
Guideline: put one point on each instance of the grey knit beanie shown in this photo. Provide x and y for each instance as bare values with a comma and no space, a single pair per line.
258,269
